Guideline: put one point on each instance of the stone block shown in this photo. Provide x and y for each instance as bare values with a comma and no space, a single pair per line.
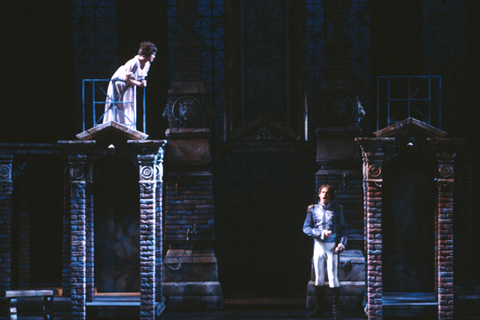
190,280
195,302
192,288
190,265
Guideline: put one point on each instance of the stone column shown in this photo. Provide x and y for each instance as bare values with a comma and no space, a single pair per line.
159,232
147,163
373,159
67,229
6,194
90,240
77,187
445,152
444,241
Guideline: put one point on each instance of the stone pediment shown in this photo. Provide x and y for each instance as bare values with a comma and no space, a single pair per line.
111,131
263,134
264,128
410,127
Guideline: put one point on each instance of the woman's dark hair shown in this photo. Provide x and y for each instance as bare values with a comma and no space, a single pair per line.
329,188
147,49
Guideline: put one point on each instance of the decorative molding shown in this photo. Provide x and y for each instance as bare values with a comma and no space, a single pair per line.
6,172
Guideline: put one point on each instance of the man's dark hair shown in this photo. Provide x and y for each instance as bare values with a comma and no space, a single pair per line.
147,49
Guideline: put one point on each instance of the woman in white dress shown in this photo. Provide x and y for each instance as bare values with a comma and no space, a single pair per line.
121,103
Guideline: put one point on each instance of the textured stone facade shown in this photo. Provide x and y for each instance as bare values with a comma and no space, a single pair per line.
189,205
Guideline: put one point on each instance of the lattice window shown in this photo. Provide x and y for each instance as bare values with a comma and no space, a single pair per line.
95,44
444,53
264,60
209,28
318,29
417,97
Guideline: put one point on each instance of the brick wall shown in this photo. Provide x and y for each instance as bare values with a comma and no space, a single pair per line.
78,236
189,201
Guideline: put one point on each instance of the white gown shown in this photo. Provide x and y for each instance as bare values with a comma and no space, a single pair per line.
121,102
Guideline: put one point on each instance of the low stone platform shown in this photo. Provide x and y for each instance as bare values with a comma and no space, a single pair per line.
191,280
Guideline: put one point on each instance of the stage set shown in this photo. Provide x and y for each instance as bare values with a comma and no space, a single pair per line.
113,223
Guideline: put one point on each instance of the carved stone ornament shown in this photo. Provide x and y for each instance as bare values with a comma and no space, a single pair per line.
76,173
263,133
375,171
446,171
187,110
338,108
147,173
5,172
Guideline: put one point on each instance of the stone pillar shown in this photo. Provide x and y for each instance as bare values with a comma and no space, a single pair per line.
77,187
159,232
373,159
444,228
90,240
67,229
6,194
445,152
147,164
191,273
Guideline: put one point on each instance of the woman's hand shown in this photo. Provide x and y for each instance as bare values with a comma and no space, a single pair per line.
327,234
143,83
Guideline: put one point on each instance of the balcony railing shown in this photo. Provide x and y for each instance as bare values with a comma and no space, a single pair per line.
94,93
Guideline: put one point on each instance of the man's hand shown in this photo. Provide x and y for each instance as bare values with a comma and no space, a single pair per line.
339,248
327,234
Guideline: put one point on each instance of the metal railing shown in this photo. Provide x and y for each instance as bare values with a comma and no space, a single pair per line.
417,97
90,88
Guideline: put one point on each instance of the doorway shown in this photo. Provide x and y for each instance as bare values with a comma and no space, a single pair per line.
408,225
117,226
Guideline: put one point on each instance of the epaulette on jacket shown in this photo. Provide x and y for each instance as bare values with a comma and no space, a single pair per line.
310,208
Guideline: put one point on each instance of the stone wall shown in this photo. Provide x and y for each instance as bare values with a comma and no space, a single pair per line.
189,202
